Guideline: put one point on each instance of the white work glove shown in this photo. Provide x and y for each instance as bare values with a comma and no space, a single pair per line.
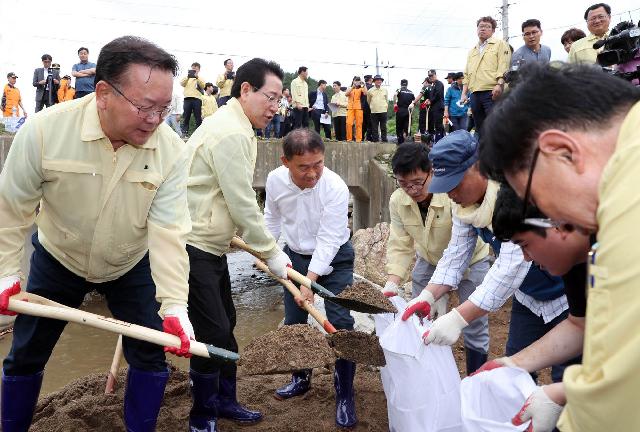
446,329
410,106
439,308
176,322
9,286
390,289
541,410
420,305
278,264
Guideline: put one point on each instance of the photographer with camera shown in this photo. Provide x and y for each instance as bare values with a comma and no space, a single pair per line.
46,80
193,91
354,108
225,82
598,18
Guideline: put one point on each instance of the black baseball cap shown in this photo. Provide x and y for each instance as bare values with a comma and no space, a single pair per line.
12,75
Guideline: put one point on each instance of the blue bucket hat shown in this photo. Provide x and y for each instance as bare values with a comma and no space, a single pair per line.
451,158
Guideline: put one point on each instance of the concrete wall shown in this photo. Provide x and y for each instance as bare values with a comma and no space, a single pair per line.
5,145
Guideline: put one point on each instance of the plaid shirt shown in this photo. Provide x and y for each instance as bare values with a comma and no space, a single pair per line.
503,279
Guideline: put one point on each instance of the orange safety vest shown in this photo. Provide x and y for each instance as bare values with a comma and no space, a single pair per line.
10,99
65,93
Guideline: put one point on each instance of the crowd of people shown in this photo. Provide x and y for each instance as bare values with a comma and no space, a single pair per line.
549,193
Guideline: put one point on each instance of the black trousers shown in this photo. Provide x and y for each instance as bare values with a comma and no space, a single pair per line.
378,120
402,125
315,116
481,104
130,298
80,94
223,100
191,105
422,121
366,124
300,118
340,127
435,123
211,309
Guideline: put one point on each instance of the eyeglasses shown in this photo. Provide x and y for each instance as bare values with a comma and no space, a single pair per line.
600,17
527,191
531,33
416,185
144,112
273,100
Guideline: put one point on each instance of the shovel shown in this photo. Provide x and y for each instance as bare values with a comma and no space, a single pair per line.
351,304
369,353
43,307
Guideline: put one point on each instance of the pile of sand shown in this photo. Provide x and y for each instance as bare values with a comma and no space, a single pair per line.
82,406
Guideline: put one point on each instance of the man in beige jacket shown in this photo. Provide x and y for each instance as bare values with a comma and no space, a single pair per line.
109,177
221,202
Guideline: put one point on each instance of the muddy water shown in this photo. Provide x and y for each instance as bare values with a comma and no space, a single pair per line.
83,350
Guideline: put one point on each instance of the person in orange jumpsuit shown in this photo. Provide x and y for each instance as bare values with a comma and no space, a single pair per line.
65,92
354,108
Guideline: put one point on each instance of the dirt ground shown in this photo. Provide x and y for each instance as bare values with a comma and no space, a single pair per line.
81,405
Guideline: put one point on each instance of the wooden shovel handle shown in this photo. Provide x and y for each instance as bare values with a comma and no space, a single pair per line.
39,306
295,292
112,379
293,274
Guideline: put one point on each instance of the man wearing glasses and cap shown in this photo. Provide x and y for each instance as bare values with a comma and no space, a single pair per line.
577,162
539,301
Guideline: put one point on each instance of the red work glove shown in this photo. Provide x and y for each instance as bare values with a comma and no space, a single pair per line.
420,305
395,108
176,322
9,286
423,105
495,364
541,410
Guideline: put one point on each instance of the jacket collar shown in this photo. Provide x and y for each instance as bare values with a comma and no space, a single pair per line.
437,200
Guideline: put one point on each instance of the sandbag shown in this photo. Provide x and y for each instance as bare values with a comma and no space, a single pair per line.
491,399
421,383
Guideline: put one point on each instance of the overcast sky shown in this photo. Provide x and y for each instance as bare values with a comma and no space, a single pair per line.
335,39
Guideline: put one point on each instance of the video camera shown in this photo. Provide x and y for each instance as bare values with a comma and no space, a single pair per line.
621,48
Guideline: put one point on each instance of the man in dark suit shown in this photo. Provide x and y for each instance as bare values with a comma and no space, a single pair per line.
436,106
318,106
46,81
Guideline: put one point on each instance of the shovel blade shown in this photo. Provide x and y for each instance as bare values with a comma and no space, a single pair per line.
357,346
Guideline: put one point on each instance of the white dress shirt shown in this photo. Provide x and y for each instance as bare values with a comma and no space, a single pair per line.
314,221
501,281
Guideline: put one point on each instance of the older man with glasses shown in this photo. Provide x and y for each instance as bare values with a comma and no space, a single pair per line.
109,178
598,18
421,227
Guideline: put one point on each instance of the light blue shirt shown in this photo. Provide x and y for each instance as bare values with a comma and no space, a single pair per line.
524,55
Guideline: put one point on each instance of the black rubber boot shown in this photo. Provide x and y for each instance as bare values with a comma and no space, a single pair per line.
345,400
203,416
142,399
19,398
228,406
299,385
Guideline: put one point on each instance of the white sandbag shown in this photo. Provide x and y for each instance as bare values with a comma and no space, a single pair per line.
491,399
421,383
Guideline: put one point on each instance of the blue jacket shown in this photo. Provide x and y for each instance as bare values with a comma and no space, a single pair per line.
537,283
450,99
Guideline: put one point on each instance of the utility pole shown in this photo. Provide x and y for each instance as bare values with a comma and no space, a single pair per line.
377,65
505,19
